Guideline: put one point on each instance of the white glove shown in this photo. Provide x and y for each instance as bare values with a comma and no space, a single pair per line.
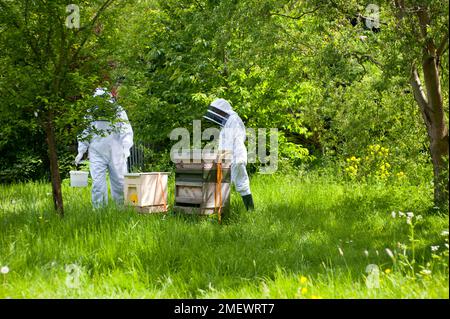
78,158
126,153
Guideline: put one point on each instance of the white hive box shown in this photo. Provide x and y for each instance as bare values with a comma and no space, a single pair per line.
147,192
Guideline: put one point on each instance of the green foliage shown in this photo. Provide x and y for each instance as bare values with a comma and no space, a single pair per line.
330,86
193,53
25,168
48,72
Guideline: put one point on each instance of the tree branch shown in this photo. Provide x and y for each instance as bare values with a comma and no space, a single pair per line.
361,57
28,35
99,12
297,17
418,89
420,96
424,20
443,46
400,5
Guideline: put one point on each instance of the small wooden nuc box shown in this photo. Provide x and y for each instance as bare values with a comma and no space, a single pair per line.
146,192
197,188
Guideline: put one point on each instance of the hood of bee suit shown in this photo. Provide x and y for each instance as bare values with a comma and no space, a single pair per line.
219,111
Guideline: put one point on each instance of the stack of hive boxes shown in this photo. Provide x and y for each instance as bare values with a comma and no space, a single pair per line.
202,183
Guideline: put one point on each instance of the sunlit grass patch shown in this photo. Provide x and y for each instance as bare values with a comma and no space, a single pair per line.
308,238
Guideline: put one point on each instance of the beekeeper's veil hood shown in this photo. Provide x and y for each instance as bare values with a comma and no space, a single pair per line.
219,111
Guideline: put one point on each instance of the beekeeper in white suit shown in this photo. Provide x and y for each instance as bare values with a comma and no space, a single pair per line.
232,138
109,148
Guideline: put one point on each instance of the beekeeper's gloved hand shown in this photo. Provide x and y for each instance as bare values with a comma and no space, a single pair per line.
78,158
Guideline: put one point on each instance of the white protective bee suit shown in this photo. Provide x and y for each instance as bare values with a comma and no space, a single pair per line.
232,138
108,151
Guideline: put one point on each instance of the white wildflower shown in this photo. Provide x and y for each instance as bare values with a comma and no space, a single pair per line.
400,214
409,220
444,233
366,253
393,214
446,245
434,248
426,272
341,252
410,214
4,270
389,252
419,217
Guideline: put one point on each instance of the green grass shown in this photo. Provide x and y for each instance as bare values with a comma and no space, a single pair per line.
296,231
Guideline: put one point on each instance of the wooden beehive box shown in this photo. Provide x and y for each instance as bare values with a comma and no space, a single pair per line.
146,192
197,190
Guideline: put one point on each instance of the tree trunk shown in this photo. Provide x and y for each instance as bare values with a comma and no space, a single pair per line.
54,168
431,106
438,129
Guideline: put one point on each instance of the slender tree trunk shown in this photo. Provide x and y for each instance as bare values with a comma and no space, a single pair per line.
54,167
438,130
431,105
432,109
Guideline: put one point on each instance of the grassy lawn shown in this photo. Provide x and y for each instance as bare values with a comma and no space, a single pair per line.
308,238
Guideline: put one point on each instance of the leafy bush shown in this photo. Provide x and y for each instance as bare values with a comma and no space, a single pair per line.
26,167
